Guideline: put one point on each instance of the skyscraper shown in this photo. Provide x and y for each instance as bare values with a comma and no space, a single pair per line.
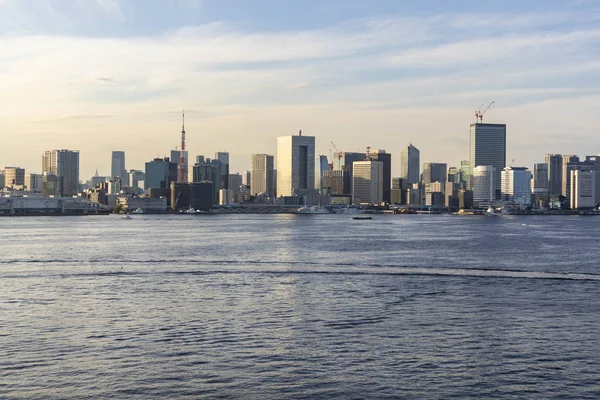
117,164
386,159
566,175
583,188
223,157
540,179
367,182
295,165
488,147
434,172
160,172
320,168
410,162
555,173
176,158
261,177
516,185
484,187
64,164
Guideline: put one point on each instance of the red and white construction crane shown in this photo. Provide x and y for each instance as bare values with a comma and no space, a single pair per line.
479,113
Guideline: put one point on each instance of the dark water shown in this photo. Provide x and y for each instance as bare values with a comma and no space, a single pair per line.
299,307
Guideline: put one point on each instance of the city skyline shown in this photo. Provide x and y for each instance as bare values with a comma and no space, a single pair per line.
356,73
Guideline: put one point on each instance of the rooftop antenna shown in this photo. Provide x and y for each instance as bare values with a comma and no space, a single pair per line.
300,133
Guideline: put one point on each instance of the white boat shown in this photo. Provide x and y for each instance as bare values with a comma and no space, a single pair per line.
489,212
312,210
190,211
138,211
126,217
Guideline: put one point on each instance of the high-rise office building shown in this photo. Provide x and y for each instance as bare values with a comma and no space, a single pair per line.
14,177
223,157
234,181
516,185
160,172
320,168
434,172
541,179
566,174
65,165
583,189
555,173
484,187
246,178
410,162
262,178
367,182
117,164
488,147
295,165
465,174
337,182
51,185
386,159
33,182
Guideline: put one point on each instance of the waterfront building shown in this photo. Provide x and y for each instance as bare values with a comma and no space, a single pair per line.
555,174
33,182
566,174
541,180
516,186
583,189
484,187
223,157
225,196
434,172
320,168
487,147
137,179
367,182
246,178
295,165
160,172
386,159
465,174
337,182
117,164
65,165
465,199
197,195
2,179
262,178
595,161
51,185
209,170
14,177
234,182
410,162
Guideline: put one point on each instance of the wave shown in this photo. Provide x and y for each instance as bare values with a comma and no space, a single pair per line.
129,268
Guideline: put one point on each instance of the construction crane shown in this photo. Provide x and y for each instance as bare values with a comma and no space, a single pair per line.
339,155
480,113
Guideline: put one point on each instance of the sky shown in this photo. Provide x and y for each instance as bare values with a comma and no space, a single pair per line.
103,75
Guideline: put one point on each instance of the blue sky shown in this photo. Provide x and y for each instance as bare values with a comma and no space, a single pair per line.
101,75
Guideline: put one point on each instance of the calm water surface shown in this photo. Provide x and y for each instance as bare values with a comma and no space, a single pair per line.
307,306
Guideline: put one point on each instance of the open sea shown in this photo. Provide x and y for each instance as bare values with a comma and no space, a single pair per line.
299,307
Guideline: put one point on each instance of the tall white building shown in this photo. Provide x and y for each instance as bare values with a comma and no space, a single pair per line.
367,182
262,178
583,188
516,185
295,165
483,184
64,164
